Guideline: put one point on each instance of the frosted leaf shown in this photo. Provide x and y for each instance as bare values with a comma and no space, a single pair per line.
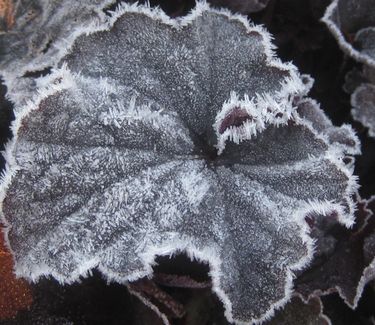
242,6
352,23
361,85
344,258
353,79
297,312
363,103
175,135
368,274
342,137
365,41
40,31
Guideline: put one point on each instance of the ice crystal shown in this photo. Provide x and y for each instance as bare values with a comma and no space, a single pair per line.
157,136
352,22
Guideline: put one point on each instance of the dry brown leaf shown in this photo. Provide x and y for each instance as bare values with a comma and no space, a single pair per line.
6,14
15,294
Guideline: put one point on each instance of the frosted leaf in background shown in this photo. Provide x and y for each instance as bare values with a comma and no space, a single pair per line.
342,137
157,136
344,258
353,79
363,103
361,85
297,312
368,274
38,30
352,23
365,41
241,6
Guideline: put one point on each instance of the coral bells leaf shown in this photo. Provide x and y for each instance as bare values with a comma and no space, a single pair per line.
297,312
363,103
345,258
36,31
352,23
157,136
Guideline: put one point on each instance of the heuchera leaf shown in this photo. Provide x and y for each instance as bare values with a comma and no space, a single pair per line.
352,23
297,312
157,136
363,103
36,30
341,137
361,85
344,258
353,79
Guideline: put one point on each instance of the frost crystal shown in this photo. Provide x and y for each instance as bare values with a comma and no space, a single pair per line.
157,136
352,22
